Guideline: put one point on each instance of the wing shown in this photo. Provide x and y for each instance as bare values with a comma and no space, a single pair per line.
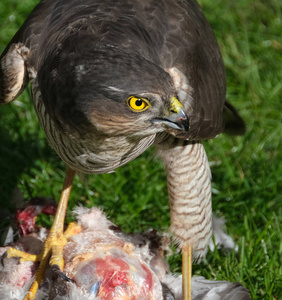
192,56
13,72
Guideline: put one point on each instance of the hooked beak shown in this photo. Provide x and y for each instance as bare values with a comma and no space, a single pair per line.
177,118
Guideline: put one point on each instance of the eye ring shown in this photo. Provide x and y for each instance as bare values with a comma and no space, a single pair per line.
138,104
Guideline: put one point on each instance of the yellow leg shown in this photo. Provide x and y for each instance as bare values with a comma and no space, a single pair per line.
55,242
186,272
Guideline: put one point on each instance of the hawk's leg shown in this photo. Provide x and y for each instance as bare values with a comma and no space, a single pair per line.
189,188
186,272
53,247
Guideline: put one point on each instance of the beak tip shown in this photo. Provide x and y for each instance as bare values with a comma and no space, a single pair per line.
181,119
177,118
181,124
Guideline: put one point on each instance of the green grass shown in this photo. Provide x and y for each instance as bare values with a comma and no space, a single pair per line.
247,171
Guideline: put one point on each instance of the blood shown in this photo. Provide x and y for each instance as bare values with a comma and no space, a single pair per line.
148,283
26,217
114,272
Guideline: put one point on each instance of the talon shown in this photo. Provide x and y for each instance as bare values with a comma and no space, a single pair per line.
2,259
56,270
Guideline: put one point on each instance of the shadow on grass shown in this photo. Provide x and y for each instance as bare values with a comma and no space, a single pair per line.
18,154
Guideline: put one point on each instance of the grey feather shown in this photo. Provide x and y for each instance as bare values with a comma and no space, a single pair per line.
203,289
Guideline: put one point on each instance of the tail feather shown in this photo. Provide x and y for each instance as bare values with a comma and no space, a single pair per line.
234,124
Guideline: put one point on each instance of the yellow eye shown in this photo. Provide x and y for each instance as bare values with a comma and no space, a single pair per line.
137,103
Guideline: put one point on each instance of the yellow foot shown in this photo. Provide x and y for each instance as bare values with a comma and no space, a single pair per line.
52,252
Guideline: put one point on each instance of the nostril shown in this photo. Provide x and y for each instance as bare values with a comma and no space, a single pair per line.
173,111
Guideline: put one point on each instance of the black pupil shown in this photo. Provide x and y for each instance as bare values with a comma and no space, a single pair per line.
138,102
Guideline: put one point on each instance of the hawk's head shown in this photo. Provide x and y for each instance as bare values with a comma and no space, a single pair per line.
115,93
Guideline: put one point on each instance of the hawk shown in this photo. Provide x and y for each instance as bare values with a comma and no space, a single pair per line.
110,78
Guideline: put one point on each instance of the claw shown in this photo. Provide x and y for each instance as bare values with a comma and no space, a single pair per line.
2,259
56,270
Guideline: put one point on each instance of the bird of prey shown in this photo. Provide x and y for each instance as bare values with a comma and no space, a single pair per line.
109,78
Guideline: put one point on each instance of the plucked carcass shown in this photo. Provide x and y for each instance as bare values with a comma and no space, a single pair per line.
102,262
